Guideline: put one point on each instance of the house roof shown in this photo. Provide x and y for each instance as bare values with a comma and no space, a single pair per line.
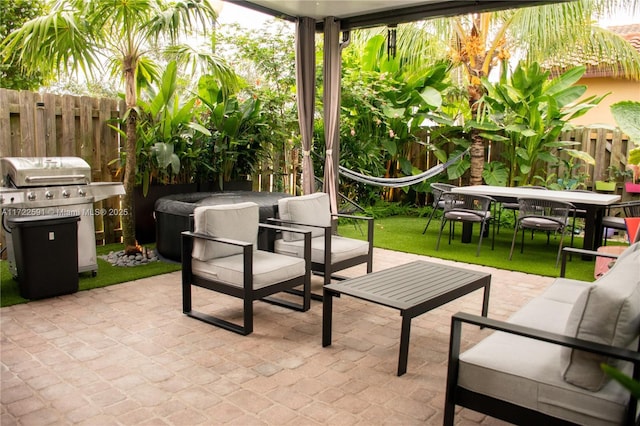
631,31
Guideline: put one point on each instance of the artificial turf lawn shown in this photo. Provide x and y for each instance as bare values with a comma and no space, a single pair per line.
107,275
403,233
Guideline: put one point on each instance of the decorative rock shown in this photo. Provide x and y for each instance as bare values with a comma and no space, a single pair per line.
118,258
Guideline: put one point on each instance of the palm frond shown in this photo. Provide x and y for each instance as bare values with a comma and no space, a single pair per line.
54,41
545,29
124,17
602,9
183,16
198,62
566,34
602,52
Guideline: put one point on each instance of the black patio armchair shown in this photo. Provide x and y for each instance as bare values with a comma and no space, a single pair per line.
221,255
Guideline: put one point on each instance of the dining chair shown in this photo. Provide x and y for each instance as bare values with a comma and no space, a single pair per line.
468,209
611,221
437,189
545,215
607,255
220,254
513,207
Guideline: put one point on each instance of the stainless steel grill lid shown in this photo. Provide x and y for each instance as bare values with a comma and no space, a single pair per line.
22,172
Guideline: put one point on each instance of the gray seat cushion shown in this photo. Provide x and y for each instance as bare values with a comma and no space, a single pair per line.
467,216
341,248
540,223
313,209
613,222
528,373
268,268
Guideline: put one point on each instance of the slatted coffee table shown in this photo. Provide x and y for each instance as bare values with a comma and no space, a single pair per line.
413,288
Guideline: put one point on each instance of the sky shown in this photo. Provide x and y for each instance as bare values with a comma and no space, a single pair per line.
620,20
243,16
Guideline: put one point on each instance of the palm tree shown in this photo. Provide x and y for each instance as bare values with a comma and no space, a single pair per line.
478,43
83,34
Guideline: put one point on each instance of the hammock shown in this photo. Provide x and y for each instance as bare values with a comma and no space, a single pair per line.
401,181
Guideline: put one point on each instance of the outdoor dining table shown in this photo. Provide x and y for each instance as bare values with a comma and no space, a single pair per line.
593,203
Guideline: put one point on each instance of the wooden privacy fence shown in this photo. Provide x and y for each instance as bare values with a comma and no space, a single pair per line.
608,147
33,124
48,125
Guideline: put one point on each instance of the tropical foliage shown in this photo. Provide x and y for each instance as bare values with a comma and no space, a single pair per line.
384,107
235,146
14,14
168,134
632,385
526,113
626,114
266,61
208,136
477,44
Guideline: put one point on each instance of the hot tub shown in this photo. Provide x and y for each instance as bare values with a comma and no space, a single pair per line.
172,215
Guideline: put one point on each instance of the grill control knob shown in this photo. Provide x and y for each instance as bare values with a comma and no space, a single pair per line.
31,196
66,194
48,195
81,192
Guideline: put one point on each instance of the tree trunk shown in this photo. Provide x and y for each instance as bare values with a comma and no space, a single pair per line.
128,220
477,158
477,142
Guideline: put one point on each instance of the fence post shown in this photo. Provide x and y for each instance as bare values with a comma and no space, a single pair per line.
41,146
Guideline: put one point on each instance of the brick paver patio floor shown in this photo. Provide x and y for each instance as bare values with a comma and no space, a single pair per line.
126,355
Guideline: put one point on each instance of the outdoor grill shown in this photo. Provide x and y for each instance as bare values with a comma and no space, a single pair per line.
59,186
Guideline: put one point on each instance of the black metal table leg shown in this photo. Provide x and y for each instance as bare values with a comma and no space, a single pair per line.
593,230
404,344
327,312
467,232
485,299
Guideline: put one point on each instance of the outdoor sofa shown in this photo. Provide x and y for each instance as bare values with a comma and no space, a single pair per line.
543,365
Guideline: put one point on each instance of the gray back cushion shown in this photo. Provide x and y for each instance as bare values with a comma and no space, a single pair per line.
312,209
233,221
608,313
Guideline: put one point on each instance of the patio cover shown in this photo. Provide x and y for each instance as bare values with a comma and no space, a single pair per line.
332,17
